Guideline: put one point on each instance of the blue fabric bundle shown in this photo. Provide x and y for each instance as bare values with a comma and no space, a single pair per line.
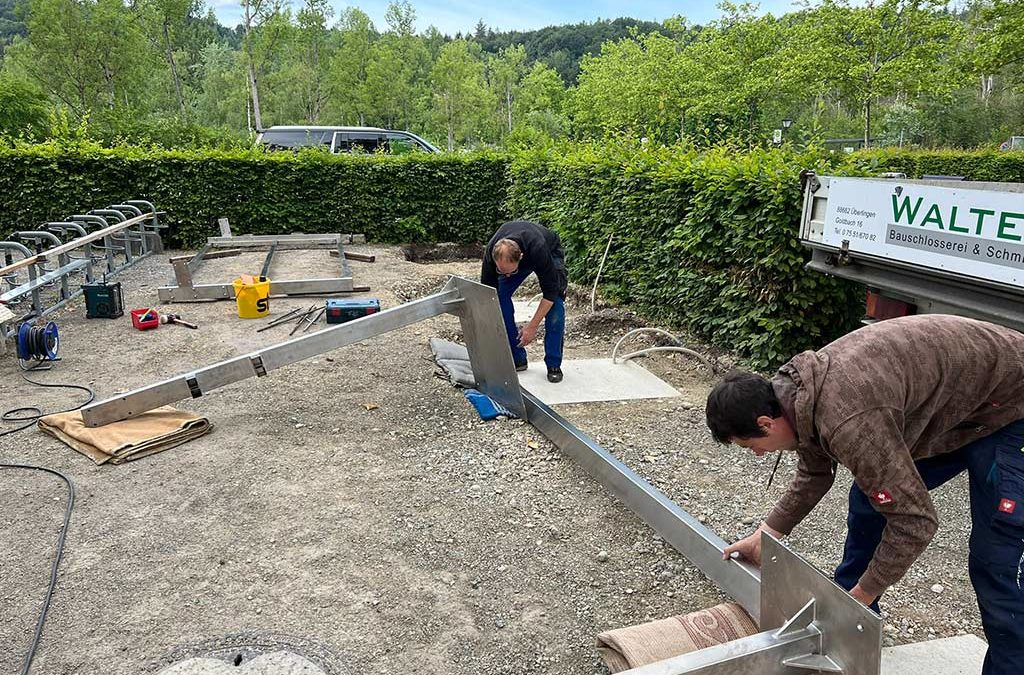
485,406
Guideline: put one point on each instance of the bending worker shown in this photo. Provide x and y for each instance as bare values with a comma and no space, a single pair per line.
516,250
905,405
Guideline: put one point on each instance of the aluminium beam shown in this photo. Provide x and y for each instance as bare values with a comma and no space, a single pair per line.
327,286
495,374
689,536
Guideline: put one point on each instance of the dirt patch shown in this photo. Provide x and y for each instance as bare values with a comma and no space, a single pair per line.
356,501
608,322
443,252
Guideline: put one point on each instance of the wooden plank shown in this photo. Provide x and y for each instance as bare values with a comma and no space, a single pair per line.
24,262
95,236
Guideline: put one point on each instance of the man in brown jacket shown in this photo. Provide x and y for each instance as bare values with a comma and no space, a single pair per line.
905,405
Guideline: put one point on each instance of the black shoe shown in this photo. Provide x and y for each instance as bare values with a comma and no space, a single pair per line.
520,367
554,374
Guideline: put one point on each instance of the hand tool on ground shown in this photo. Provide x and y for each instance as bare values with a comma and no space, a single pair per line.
176,318
284,318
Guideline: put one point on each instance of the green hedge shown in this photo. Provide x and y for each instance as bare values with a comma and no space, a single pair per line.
987,165
707,242
390,199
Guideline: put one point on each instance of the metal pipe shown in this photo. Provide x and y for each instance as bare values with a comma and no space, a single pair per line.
268,260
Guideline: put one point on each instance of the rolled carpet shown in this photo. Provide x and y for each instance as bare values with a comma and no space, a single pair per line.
635,646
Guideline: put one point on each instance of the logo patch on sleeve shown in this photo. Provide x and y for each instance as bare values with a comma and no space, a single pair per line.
1007,505
882,497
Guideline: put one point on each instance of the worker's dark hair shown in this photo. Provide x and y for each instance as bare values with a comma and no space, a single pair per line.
508,250
735,404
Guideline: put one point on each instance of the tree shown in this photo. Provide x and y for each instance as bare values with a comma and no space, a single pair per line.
636,86
506,72
264,25
163,22
88,54
886,48
742,70
460,91
347,95
23,106
313,45
224,89
401,18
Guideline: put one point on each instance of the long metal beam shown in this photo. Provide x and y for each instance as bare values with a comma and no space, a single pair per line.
688,535
326,286
259,363
491,358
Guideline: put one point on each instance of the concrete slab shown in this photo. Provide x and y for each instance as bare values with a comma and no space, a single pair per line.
524,310
595,380
959,655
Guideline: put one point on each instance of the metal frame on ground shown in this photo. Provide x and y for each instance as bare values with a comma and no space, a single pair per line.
809,623
184,289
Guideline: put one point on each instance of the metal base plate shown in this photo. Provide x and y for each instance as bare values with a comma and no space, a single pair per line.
851,633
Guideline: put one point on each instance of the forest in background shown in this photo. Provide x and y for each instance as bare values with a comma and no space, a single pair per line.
911,73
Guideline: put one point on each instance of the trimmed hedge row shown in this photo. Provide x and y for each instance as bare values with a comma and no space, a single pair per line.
706,242
987,165
390,199
702,241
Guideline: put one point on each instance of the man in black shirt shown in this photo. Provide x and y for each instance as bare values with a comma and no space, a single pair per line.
516,250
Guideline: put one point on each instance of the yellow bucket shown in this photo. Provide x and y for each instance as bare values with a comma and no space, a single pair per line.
252,294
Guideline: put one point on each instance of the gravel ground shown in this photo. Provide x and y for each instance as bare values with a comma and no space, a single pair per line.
356,501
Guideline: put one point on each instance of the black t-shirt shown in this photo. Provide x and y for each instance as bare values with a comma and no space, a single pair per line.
542,255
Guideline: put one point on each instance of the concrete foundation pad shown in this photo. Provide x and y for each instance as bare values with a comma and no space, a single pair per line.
595,380
959,655
524,310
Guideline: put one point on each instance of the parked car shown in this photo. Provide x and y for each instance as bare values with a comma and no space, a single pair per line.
343,139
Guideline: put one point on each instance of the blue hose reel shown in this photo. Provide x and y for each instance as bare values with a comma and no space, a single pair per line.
38,342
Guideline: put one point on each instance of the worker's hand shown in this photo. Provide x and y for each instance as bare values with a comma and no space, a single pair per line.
526,335
749,548
861,595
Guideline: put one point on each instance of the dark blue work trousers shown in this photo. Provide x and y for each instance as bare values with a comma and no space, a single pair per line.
995,467
554,321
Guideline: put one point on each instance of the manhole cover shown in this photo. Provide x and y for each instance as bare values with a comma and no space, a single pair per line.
250,653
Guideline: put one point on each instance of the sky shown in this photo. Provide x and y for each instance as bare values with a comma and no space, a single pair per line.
454,16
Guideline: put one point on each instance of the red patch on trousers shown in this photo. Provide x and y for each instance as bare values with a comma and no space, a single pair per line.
1007,505
882,497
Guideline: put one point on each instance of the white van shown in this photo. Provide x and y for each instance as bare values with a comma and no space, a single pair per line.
343,139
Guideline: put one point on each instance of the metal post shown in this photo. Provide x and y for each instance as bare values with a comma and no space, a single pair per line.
266,262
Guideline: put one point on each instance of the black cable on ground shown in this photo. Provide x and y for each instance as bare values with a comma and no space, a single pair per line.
34,413
56,560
